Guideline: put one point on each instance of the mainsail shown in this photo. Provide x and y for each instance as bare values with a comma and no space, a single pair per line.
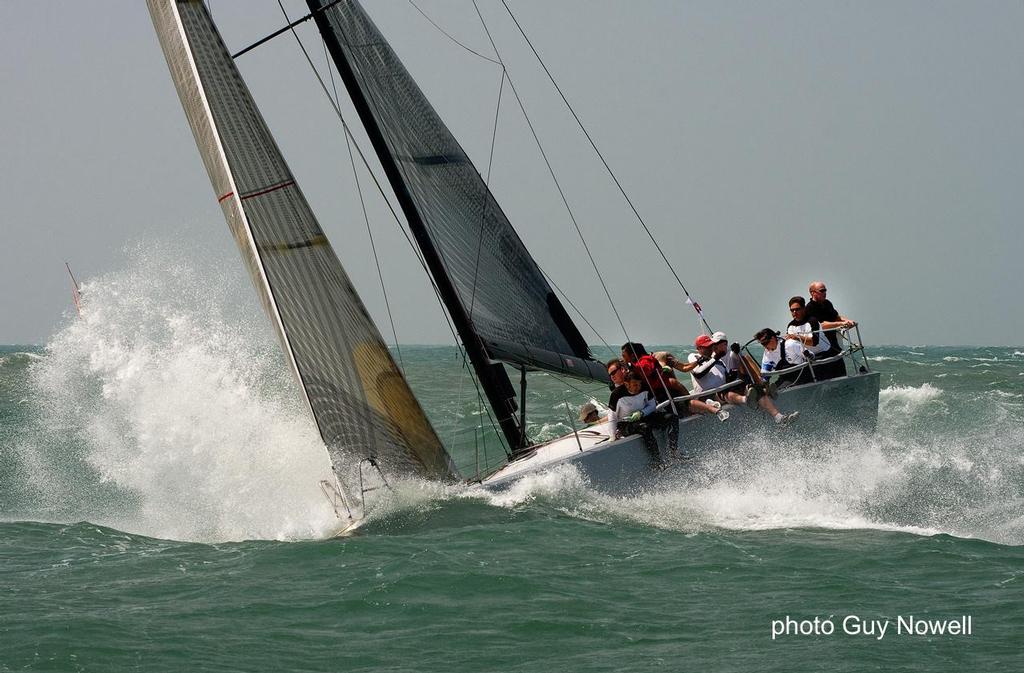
499,300
360,400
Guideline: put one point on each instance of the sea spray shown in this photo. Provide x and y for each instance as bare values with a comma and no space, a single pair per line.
165,410
913,475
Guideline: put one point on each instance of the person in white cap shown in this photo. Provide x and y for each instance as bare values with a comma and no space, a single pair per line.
751,396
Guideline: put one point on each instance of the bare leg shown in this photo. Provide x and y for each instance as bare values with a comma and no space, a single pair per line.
769,406
702,407
734,397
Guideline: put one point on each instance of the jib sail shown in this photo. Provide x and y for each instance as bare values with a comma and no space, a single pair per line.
362,404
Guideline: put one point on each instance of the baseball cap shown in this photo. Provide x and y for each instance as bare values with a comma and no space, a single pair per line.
718,337
703,341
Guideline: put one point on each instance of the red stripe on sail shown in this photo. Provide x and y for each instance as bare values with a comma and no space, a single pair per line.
221,199
274,188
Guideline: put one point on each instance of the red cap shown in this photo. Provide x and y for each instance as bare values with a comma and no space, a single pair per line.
703,341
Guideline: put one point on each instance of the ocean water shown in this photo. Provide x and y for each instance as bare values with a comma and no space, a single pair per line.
159,511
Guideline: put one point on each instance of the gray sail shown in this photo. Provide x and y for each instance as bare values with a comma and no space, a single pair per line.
495,283
360,400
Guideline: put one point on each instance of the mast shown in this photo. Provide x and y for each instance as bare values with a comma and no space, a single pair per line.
493,379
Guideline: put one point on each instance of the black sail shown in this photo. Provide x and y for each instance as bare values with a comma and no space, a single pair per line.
362,404
492,286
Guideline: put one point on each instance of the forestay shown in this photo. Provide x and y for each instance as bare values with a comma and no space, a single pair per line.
359,398
496,284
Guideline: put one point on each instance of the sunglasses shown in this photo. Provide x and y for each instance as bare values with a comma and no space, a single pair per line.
824,289
794,309
614,371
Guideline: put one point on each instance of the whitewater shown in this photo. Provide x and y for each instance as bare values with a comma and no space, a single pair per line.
159,438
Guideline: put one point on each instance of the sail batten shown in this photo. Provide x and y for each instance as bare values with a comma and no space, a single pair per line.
359,399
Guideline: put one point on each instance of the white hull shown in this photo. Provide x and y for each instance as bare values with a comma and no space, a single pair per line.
624,466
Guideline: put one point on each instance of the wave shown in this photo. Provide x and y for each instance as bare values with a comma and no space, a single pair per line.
865,482
166,410
17,357
940,462
907,398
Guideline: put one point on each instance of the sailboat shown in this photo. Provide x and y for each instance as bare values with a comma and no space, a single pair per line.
504,310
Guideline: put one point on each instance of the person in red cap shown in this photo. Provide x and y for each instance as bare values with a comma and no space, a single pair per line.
712,370
662,381
707,371
665,386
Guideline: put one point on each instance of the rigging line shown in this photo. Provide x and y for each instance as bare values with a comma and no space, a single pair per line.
486,407
366,219
578,312
551,170
380,189
388,139
504,75
458,402
291,26
366,163
446,34
564,382
601,157
441,259
487,186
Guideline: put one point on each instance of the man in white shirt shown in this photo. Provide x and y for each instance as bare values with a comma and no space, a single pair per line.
733,370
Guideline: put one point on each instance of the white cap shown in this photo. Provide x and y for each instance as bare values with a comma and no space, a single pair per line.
718,337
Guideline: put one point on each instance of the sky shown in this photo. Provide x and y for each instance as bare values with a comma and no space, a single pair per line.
874,146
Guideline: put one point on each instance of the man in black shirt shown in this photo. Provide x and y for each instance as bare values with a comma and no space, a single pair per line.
617,370
821,309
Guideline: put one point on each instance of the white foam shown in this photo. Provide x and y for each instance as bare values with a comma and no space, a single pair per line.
754,486
181,401
19,355
897,480
557,484
908,395
889,358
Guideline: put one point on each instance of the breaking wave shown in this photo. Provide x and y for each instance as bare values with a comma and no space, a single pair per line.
907,398
165,410
915,475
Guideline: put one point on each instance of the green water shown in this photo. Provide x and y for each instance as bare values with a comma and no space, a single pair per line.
925,518
478,590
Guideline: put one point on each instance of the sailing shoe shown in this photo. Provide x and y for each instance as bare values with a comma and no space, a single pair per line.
723,415
788,418
753,395
714,404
